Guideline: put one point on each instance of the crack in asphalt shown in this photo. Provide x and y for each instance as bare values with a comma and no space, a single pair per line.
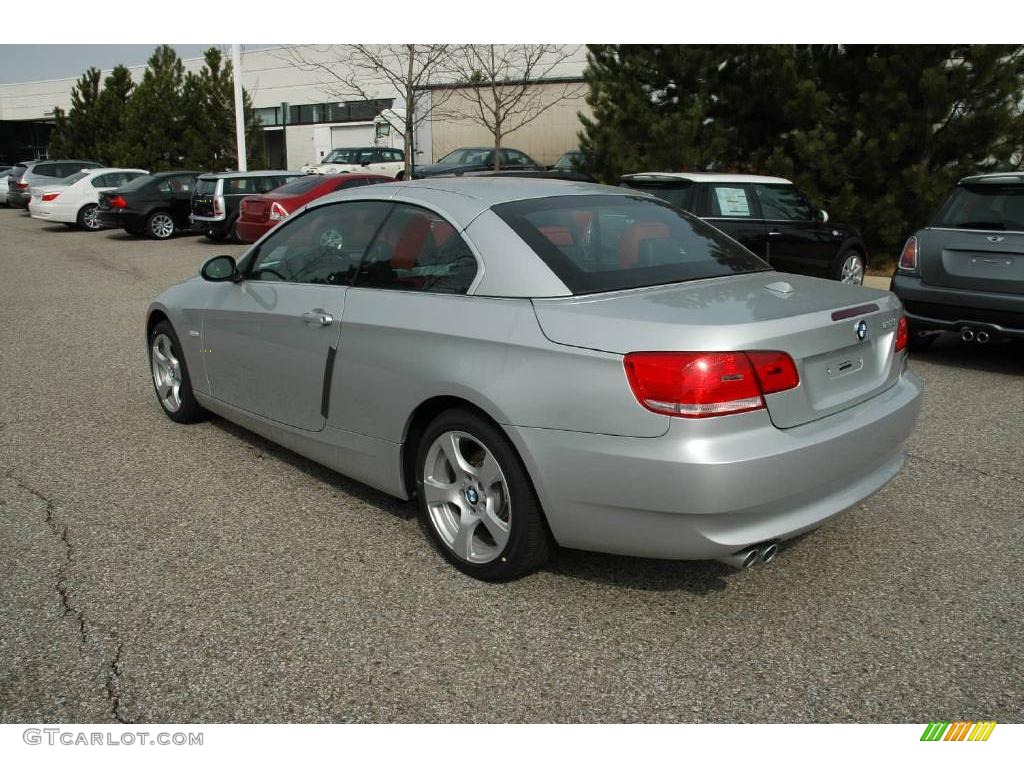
59,532
113,685
961,465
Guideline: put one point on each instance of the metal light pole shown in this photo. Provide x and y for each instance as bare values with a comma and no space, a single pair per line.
236,60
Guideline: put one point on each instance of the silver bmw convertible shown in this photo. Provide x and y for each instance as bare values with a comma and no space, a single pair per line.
541,363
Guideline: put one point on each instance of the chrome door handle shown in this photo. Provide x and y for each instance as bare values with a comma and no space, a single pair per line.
317,317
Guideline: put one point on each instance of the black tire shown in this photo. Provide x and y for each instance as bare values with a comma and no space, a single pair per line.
189,411
400,176
160,225
215,235
840,260
529,542
87,220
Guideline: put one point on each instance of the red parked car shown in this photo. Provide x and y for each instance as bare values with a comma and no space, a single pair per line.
261,213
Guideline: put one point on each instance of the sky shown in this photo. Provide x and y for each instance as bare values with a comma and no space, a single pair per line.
24,63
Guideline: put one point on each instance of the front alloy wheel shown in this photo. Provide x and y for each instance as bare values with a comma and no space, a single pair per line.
852,271
88,218
170,376
161,225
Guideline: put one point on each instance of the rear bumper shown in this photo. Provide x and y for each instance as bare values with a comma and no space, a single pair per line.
18,199
710,488
950,309
120,219
251,231
213,225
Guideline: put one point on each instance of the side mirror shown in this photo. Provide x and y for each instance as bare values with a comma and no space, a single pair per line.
220,269
821,217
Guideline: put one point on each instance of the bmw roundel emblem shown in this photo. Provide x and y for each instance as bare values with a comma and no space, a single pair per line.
862,330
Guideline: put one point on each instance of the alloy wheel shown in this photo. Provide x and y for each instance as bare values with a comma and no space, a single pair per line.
90,218
467,497
161,225
853,270
167,375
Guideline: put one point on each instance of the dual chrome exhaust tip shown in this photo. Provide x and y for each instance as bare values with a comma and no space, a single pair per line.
751,556
968,335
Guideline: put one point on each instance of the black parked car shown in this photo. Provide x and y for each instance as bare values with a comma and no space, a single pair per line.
460,161
217,198
965,271
157,205
768,215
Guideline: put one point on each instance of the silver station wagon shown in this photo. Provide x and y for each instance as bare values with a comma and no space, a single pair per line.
543,362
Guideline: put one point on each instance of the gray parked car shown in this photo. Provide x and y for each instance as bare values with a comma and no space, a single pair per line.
542,362
965,272
40,173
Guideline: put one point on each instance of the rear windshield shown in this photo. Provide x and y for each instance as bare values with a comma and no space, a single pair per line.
206,187
612,242
984,206
137,183
678,193
75,177
18,171
300,186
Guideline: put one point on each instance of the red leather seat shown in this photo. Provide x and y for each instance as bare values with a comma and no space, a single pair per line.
635,236
410,245
557,235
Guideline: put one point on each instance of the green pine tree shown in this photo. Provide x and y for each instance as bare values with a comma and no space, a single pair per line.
111,110
75,133
155,118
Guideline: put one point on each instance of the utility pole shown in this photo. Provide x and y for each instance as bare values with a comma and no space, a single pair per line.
236,61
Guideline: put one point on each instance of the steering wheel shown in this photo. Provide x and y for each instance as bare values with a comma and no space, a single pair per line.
332,239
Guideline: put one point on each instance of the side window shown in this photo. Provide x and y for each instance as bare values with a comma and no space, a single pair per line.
726,201
47,169
106,180
513,159
181,185
783,202
418,250
323,246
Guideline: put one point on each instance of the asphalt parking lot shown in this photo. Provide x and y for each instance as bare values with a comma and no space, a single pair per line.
154,572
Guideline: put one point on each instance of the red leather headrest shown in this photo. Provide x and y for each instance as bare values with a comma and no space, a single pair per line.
629,245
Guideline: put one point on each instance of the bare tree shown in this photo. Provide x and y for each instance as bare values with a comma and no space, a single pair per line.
368,71
504,87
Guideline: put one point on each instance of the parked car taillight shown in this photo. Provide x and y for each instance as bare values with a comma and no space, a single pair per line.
218,206
118,202
701,384
278,212
902,333
21,184
48,196
908,259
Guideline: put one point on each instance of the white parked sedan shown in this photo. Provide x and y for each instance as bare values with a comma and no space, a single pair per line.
74,201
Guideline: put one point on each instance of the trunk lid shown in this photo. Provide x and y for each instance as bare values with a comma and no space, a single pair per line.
977,261
255,208
203,198
814,321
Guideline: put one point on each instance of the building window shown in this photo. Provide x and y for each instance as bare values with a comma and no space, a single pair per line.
335,112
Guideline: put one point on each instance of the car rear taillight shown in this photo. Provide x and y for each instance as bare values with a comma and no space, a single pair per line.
278,212
908,259
902,334
48,196
118,202
218,206
701,384
21,184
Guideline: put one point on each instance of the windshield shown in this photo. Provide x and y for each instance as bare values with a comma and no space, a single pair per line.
613,242
466,157
137,183
300,186
678,193
75,177
345,156
984,206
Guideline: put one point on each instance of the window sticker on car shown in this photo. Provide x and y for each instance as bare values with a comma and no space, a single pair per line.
732,201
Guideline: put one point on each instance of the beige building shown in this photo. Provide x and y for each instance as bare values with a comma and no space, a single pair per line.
544,139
